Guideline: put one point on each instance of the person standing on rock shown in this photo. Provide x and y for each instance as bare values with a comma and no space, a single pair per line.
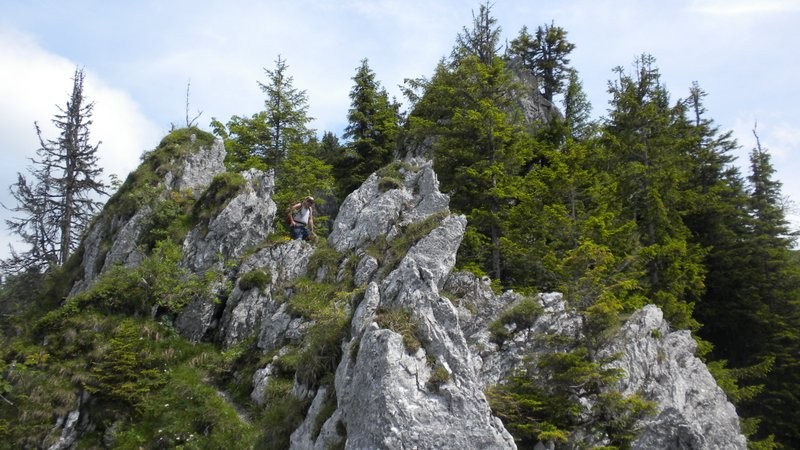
301,219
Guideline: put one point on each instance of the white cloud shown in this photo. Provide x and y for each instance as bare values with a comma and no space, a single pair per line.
32,83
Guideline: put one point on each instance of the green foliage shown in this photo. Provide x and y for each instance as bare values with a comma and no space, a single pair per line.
541,403
187,413
329,309
224,187
256,278
139,187
158,280
439,376
521,315
392,176
400,321
284,412
126,370
373,129
169,220
300,174
265,138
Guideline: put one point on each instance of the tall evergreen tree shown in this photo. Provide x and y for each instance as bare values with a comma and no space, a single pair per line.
646,139
481,143
774,278
577,108
266,137
482,40
372,130
60,200
545,55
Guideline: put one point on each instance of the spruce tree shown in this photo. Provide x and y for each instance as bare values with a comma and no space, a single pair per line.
480,41
774,285
545,55
57,204
646,140
480,141
265,138
372,130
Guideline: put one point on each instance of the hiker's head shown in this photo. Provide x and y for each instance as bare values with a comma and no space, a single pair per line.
309,200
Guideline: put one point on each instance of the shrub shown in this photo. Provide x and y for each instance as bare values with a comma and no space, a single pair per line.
223,188
283,413
187,413
256,278
168,220
522,315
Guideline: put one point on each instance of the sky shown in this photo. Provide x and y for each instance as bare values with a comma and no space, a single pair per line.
140,57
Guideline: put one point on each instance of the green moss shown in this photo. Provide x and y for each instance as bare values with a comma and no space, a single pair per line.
256,278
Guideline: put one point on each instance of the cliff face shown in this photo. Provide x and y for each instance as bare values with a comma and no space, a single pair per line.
416,354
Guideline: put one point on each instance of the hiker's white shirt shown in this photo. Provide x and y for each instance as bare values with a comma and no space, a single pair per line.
302,215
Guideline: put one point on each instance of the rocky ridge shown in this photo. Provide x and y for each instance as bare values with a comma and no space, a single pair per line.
388,393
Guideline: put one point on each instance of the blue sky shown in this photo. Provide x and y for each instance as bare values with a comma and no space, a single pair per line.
140,56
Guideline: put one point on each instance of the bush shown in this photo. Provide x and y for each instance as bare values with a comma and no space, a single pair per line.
223,188
187,413
520,316
255,279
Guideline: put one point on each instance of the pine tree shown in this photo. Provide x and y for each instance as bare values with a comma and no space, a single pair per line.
481,147
577,108
57,204
373,127
266,137
482,40
646,139
545,55
774,280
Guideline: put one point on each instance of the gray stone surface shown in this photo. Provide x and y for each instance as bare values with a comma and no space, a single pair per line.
693,412
244,222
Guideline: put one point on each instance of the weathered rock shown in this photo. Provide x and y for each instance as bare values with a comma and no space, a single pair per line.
193,174
244,222
368,212
245,311
693,412
199,168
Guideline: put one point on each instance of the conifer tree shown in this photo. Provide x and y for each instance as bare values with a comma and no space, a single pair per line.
482,40
373,127
646,140
545,55
481,143
57,204
265,138
774,280
577,108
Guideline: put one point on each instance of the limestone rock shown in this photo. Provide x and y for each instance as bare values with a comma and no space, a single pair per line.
693,412
198,169
245,311
244,222
193,174
369,212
